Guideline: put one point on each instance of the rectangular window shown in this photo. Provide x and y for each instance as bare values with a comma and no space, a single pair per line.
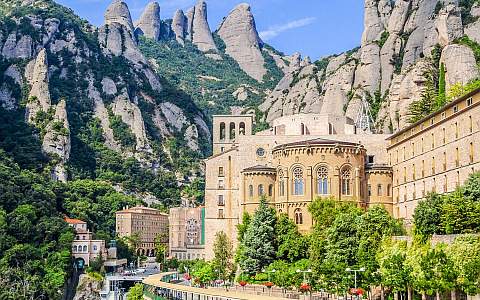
433,141
471,153
423,149
444,161
455,109
379,190
405,174
221,185
444,136
456,130
369,190
470,124
220,214
414,172
221,201
423,168
413,149
433,165
457,157
220,172
371,159
469,101
404,153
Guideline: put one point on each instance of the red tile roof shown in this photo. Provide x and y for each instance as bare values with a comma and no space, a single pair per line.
74,221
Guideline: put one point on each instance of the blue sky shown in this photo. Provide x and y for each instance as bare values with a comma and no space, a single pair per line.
311,27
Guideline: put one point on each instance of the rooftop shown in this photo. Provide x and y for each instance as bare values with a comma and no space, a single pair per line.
74,221
259,168
140,209
316,142
453,103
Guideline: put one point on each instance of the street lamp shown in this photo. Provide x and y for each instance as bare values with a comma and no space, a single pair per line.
304,273
355,272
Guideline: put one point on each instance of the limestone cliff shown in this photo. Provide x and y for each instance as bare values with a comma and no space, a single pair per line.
402,40
198,30
39,96
243,44
149,23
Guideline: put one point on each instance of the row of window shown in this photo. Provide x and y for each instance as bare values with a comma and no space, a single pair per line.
433,141
433,168
423,191
188,256
231,131
260,190
83,248
380,191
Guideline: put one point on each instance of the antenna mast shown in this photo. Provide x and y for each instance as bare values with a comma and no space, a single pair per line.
364,120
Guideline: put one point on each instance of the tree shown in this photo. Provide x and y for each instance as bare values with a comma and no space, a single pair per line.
465,254
460,214
292,246
160,248
259,240
427,216
393,271
135,292
223,251
471,188
203,272
441,97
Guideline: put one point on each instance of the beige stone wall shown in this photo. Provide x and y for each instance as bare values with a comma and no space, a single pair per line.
436,154
380,182
255,179
223,137
242,153
181,245
148,222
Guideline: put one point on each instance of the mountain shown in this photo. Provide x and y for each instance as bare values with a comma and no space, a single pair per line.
406,46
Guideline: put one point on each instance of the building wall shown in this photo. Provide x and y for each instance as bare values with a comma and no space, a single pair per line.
89,250
229,183
251,198
436,154
186,232
379,183
147,222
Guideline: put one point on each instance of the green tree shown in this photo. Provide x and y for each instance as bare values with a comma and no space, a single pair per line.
203,272
460,214
160,248
427,216
259,240
223,255
471,188
135,292
441,97
465,254
292,246
393,270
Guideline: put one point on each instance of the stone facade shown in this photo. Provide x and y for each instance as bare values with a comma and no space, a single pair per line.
84,248
244,166
187,232
147,222
436,154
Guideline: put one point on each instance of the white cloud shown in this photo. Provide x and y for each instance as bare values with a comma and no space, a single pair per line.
274,31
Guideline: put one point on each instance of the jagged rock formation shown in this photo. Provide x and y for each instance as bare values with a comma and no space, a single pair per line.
57,141
132,116
150,23
39,96
179,26
88,288
198,30
243,44
118,12
396,50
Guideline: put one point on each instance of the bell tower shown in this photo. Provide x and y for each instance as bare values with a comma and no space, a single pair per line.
227,129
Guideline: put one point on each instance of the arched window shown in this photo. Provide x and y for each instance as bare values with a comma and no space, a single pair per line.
346,182
379,190
250,190
222,131
389,187
270,190
75,248
281,183
322,180
298,216
241,128
232,131
297,181
261,191
84,248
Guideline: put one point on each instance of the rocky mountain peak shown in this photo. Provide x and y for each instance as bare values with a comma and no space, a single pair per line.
242,41
199,30
149,23
118,12
179,26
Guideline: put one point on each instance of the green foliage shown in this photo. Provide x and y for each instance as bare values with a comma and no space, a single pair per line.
286,275
203,79
465,254
427,215
441,97
458,90
259,240
135,292
466,41
460,214
122,132
393,271
223,255
465,8
427,103
203,272
383,38
292,246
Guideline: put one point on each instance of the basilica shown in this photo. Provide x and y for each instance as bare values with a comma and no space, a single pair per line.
306,156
